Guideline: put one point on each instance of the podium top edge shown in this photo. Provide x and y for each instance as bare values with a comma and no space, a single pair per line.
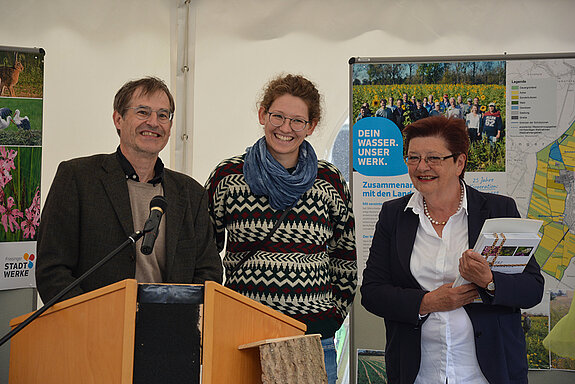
170,294
127,284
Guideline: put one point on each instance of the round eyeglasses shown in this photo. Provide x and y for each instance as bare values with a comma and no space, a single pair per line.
277,120
144,112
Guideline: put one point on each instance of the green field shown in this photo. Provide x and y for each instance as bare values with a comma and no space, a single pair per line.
537,354
371,370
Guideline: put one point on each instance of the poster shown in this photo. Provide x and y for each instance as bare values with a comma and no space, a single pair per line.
371,367
21,95
531,106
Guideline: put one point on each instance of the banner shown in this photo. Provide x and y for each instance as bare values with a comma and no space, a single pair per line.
520,115
18,262
21,94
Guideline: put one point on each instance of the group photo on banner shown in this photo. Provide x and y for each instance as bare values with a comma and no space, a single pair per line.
473,91
520,123
21,95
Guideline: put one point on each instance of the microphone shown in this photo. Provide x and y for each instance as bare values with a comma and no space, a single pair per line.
158,206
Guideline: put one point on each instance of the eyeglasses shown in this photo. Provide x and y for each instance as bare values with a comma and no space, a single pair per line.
429,160
277,120
143,113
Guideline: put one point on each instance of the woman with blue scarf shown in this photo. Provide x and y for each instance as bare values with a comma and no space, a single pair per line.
289,219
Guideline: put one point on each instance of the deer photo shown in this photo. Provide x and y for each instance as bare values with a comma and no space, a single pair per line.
9,77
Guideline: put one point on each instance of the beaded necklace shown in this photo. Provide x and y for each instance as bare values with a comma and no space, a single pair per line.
426,211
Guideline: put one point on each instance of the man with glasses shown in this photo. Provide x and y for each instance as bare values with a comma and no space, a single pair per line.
96,202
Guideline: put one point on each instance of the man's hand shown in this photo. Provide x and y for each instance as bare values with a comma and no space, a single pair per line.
446,298
474,268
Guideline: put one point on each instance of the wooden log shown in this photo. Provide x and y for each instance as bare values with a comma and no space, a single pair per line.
292,360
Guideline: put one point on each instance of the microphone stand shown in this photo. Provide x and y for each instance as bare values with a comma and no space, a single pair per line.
130,240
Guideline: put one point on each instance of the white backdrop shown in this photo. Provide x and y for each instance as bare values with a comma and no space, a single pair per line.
241,44
93,47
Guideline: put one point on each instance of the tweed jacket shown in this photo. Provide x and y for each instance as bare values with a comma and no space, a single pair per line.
87,214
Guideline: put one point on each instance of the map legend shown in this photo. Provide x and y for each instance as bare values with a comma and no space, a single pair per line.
532,106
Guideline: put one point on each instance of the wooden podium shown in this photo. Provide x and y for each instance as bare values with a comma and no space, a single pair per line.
134,333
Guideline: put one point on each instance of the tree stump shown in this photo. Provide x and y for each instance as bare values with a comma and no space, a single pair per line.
291,360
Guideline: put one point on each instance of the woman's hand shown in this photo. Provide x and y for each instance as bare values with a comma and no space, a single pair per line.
474,268
446,298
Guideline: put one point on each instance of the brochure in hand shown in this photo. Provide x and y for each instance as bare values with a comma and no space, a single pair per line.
507,244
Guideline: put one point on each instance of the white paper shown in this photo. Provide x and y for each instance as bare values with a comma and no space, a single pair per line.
509,225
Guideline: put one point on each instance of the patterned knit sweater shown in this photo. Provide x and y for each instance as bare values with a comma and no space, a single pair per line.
308,268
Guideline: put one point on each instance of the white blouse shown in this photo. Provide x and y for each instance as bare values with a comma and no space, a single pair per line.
447,338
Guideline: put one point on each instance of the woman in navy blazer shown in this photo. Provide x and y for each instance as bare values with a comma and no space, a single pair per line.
420,243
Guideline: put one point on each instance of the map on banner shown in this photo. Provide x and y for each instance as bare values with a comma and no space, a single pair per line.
541,158
520,116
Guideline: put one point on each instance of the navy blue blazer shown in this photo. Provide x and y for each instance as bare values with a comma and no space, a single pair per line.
389,290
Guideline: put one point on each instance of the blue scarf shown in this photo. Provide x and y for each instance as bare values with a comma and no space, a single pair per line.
267,177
